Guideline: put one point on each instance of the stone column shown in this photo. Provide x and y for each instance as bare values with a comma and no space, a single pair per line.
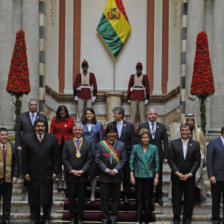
30,25
216,101
196,22
113,99
7,40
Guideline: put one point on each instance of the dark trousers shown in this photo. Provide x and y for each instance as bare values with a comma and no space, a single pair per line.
159,187
144,193
76,192
6,193
126,179
107,191
178,189
35,212
217,191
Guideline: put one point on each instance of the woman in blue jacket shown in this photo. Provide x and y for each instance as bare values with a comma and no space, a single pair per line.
144,166
92,132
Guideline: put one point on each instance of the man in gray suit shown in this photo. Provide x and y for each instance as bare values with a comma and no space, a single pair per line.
215,168
25,126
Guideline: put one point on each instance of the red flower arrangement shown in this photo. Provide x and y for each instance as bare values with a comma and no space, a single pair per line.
202,84
18,78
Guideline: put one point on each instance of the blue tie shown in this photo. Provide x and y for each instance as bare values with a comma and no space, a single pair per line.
78,142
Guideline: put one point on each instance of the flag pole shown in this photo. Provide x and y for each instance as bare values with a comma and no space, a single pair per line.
114,73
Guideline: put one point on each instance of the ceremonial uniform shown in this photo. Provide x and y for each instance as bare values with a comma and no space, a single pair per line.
138,94
84,83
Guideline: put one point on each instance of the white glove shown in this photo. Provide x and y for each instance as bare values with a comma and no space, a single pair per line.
146,101
129,101
93,99
76,98
131,89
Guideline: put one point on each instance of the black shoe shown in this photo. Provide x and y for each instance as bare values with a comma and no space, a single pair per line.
5,221
46,221
126,201
72,221
79,221
25,189
176,222
160,201
33,221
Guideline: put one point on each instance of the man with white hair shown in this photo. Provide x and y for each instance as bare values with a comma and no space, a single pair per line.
160,139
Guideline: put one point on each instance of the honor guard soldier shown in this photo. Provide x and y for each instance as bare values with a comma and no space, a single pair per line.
84,83
138,93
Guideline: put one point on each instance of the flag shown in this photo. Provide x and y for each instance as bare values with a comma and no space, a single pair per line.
114,26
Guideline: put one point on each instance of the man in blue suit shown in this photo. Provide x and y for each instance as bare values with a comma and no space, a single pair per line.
215,168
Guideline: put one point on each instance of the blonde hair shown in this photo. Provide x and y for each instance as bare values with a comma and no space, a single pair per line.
144,131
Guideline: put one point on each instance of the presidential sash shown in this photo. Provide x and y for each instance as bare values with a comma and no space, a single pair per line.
110,150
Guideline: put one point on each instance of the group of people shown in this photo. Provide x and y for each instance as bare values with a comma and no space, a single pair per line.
118,156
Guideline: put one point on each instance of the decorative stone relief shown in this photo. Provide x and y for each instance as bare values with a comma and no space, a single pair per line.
176,11
52,11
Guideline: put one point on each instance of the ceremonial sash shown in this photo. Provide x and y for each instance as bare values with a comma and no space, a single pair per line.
78,147
8,165
110,150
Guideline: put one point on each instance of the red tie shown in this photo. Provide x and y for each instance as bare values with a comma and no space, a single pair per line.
3,150
40,137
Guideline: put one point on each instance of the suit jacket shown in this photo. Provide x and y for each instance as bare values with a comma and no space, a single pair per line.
160,140
94,136
215,159
177,162
144,165
71,162
104,161
24,126
15,164
39,160
62,128
127,136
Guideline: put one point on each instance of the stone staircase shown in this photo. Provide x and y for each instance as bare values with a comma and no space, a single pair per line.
20,209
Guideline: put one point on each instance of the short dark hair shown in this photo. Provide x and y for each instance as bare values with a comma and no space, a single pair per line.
120,110
184,125
111,128
61,108
222,130
3,129
84,121
40,120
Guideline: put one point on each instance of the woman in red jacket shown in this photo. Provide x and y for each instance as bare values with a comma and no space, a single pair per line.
61,127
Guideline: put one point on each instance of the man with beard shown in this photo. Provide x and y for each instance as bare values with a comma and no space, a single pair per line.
39,161
110,157
138,93
83,84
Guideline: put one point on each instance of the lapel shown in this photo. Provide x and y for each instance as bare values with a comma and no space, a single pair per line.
123,128
181,148
189,148
220,146
144,156
157,129
28,118
85,128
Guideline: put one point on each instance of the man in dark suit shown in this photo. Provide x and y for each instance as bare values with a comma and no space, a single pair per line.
77,157
160,139
110,157
25,125
215,169
184,159
9,172
40,166
126,135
